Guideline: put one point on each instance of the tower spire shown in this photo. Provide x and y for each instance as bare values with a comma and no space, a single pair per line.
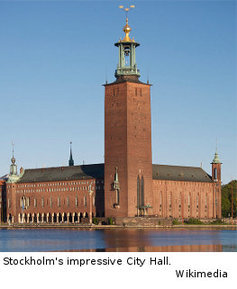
71,161
13,166
216,159
12,149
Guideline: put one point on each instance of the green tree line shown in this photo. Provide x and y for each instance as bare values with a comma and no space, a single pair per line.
226,199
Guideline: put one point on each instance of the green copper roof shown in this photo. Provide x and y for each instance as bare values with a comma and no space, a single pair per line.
216,159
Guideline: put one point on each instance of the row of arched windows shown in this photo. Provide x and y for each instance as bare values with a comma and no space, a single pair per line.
26,202
172,203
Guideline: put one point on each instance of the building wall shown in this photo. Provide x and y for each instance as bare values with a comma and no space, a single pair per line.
127,145
181,199
217,186
58,197
171,199
2,200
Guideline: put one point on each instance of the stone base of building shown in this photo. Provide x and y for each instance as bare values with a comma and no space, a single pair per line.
142,222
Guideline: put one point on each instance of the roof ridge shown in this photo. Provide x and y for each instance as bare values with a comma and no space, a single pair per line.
177,166
69,167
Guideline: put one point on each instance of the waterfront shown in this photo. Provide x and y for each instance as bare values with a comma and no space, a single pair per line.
119,240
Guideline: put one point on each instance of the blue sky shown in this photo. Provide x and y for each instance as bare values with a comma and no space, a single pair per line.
55,56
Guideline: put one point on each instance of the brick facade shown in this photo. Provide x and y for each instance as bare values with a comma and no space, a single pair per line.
55,202
79,200
2,191
182,199
127,146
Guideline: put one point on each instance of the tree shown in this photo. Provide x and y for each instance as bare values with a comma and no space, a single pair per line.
226,198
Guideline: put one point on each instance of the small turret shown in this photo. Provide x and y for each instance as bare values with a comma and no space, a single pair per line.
13,176
216,168
13,166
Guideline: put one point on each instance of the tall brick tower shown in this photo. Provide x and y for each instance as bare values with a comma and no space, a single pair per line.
216,177
128,158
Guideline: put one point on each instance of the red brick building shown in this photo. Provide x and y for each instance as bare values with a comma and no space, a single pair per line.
55,195
2,199
127,184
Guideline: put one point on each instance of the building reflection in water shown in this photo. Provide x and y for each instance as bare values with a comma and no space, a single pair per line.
129,240
119,240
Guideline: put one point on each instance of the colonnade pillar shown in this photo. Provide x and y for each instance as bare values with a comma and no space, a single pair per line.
28,218
47,218
23,218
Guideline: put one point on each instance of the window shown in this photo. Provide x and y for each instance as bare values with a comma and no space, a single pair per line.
9,203
117,197
67,201
170,199
142,191
42,202
215,173
76,201
138,192
59,202
22,203
50,202
27,202
35,203
189,200
85,201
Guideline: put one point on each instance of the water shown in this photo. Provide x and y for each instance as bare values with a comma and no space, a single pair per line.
118,240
